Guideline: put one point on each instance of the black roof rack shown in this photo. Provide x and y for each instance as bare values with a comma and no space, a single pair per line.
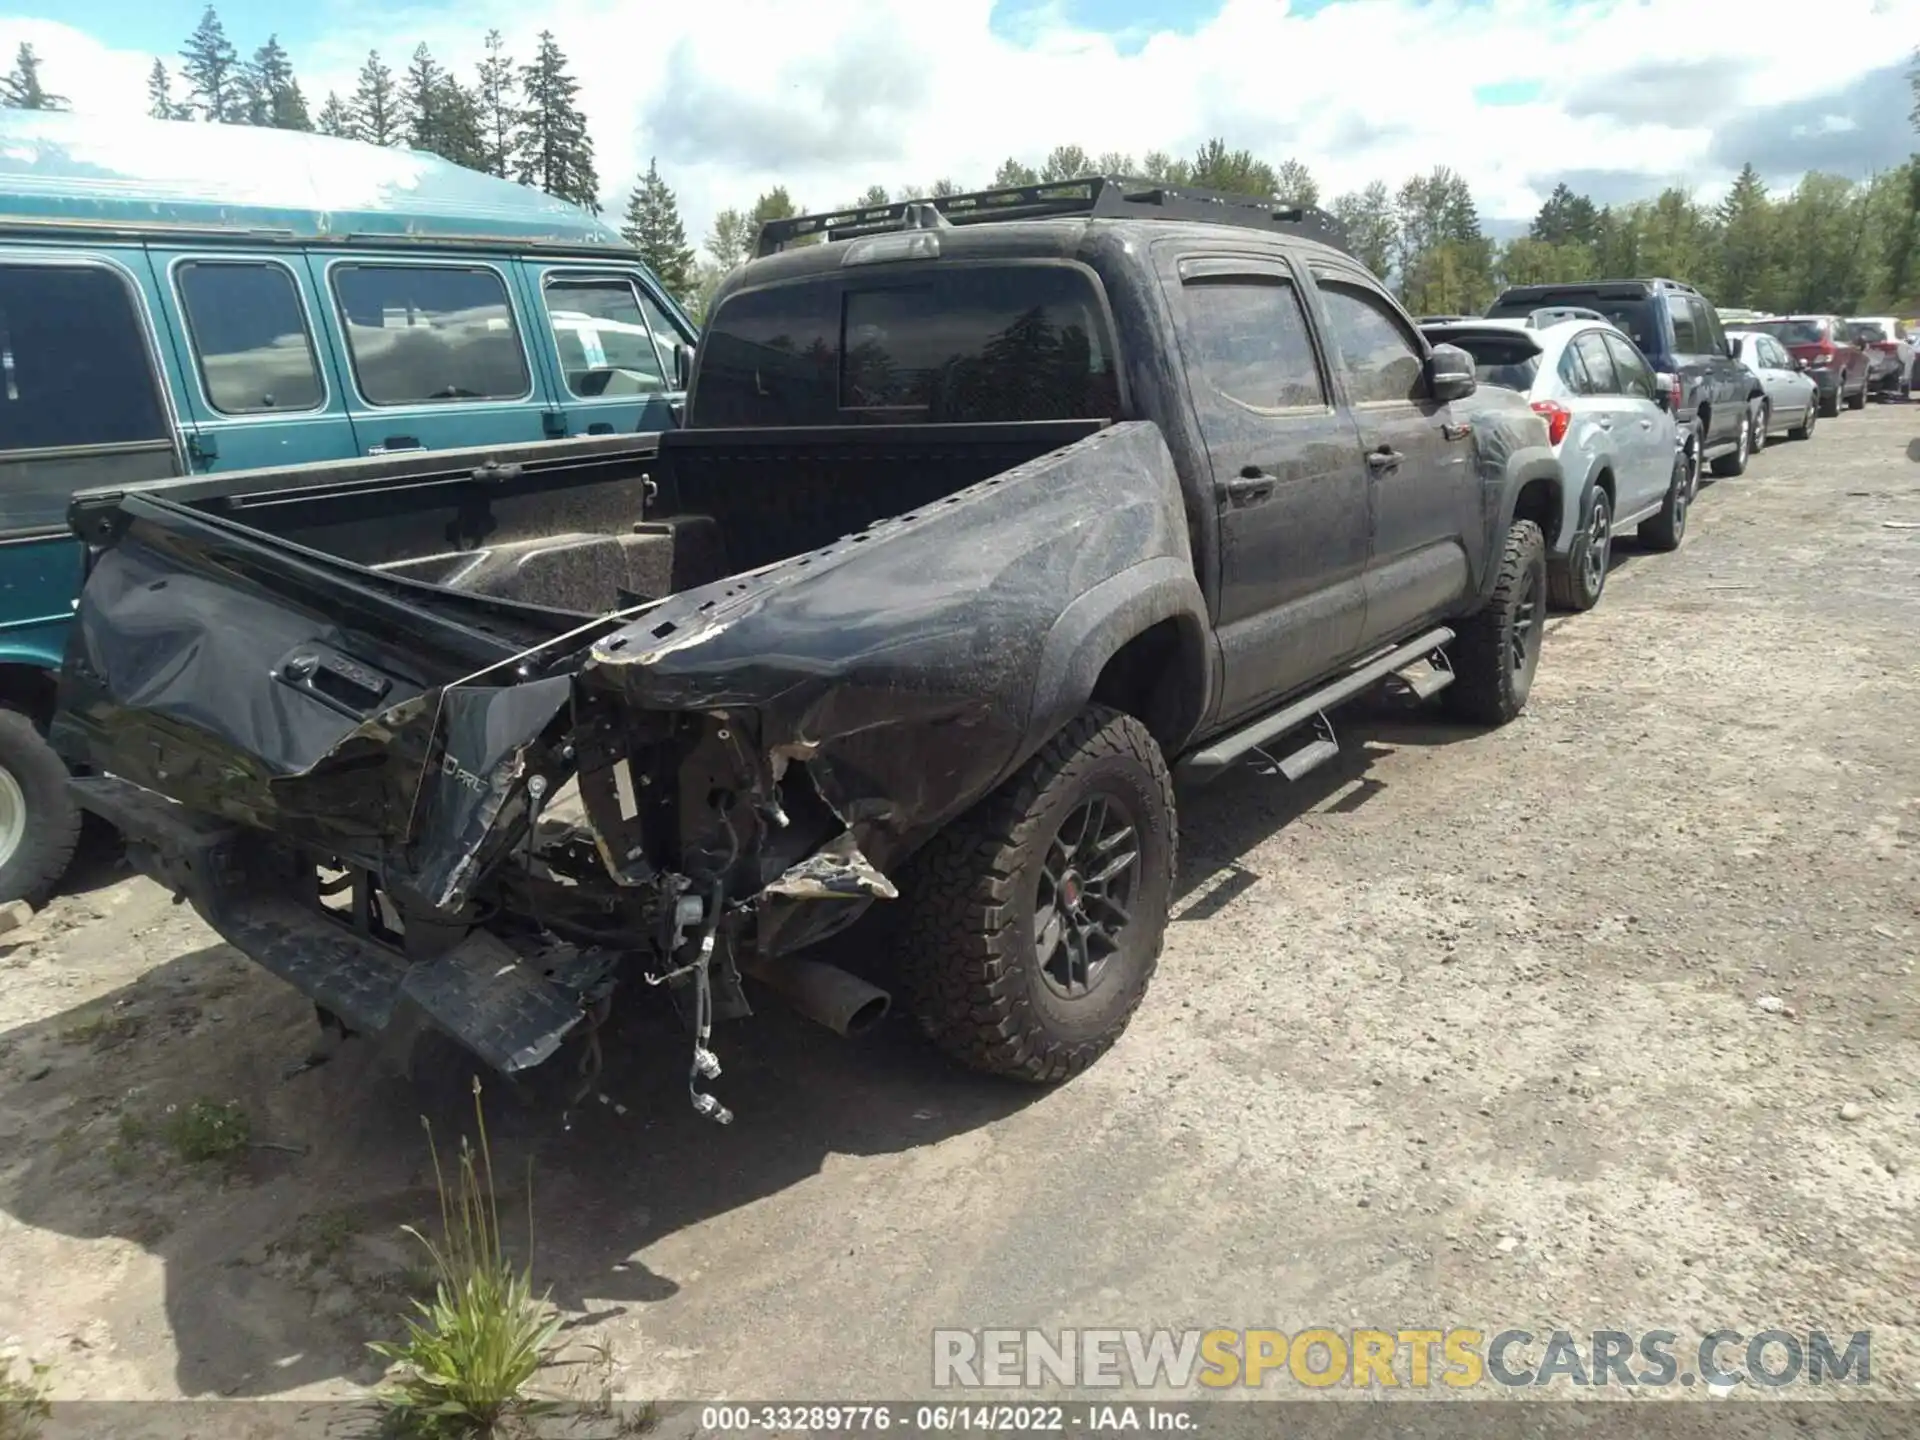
1096,197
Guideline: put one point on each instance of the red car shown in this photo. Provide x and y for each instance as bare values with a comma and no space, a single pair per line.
1824,347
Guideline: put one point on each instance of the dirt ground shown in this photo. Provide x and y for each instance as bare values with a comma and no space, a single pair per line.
1463,1029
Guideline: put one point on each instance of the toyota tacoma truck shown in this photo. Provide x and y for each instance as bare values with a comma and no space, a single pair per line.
989,517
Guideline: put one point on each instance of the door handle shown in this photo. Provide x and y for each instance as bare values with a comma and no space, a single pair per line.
600,427
1249,487
1385,458
393,443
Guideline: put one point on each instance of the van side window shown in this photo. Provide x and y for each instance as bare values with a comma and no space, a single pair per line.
430,334
666,333
606,347
79,402
250,337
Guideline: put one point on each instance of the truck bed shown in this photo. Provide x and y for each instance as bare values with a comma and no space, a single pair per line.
755,665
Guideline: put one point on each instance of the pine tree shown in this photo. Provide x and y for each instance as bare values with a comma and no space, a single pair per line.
375,106
498,105
273,96
554,151
422,88
1294,183
336,119
216,85
653,227
462,128
1746,238
160,93
1565,219
20,88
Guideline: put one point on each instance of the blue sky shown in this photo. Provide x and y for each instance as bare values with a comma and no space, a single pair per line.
830,96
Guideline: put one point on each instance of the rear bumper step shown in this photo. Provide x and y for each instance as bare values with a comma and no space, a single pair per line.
510,1008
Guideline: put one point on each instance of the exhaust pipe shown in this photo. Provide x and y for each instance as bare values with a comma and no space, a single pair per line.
826,994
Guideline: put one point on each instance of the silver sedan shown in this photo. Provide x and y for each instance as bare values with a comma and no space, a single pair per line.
1791,400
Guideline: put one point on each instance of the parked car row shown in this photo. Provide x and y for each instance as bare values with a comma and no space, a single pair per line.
1643,388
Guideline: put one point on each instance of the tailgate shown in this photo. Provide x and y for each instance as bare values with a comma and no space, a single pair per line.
258,681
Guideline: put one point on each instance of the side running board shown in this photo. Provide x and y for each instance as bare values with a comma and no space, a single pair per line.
1251,738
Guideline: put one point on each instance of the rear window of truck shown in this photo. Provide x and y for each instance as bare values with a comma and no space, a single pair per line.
961,343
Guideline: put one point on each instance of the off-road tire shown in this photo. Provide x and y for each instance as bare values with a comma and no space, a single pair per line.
1804,430
52,820
1568,583
966,947
1488,688
1726,467
1666,530
1858,400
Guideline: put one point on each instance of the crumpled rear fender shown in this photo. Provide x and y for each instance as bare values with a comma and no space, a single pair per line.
911,665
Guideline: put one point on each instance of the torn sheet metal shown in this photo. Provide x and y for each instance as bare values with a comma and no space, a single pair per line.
836,871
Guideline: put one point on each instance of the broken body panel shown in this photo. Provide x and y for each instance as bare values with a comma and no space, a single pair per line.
361,777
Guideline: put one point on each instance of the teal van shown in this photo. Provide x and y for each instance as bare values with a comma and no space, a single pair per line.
178,298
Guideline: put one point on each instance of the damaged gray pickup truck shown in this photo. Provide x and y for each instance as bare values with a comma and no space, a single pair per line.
988,517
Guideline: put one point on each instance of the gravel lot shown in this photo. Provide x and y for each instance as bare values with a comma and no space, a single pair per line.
1464,1029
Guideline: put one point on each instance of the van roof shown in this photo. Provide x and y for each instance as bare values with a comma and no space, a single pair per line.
62,171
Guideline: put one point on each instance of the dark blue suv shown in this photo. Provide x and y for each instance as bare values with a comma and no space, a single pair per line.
1680,332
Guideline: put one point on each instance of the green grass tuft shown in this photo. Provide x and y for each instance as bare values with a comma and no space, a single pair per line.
465,1363
23,1402
209,1130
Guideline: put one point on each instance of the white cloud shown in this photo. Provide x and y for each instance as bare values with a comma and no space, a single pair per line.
832,96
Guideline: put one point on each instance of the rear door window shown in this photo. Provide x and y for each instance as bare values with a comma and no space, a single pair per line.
80,403
606,346
249,334
1629,369
1250,342
1598,364
1706,323
1686,333
430,334
1573,373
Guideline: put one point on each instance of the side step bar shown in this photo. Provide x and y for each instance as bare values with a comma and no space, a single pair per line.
1208,764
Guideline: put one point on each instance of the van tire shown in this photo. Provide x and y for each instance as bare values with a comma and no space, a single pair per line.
33,782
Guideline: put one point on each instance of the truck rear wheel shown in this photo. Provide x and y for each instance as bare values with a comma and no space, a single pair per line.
1032,925
39,823
1496,652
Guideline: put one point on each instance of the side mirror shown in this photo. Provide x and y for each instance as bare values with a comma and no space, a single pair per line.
1450,374
1732,347
682,365
1663,388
